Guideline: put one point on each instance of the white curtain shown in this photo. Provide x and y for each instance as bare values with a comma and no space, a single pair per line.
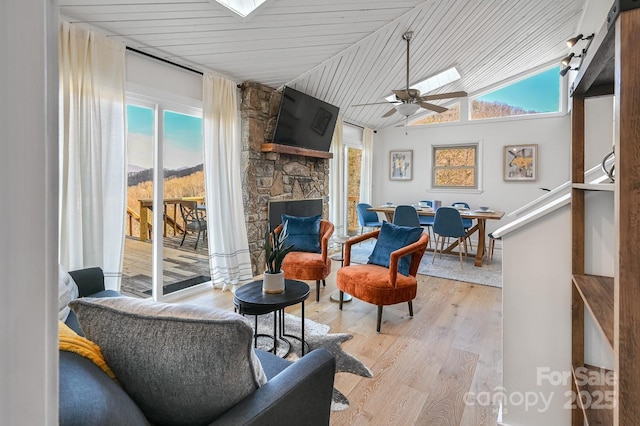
229,257
337,190
92,152
366,166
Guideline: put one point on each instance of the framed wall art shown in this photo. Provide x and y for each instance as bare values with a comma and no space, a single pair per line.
401,165
521,163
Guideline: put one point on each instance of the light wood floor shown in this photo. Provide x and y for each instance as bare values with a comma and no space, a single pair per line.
423,366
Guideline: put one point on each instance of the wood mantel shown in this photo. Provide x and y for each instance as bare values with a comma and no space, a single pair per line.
294,150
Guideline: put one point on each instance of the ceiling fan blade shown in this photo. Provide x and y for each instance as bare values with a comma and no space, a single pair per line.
443,96
389,113
375,103
402,94
432,107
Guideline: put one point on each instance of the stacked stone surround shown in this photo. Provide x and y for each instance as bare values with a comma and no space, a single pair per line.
271,176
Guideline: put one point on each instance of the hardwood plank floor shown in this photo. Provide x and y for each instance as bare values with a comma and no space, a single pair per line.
423,366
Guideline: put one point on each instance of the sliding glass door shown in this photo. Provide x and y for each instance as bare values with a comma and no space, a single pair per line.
166,249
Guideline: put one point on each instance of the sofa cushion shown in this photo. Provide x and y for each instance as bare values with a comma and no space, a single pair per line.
87,396
371,283
272,364
182,364
72,319
67,291
391,238
303,232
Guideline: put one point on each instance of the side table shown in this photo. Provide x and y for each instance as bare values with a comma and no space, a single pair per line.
340,239
250,300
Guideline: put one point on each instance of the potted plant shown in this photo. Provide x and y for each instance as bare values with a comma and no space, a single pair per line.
275,250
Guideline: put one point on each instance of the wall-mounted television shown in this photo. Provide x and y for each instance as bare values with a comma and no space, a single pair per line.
305,121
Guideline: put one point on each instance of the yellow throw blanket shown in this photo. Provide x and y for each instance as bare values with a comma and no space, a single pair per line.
70,341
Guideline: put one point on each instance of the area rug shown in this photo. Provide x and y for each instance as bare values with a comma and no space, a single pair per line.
316,335
446,266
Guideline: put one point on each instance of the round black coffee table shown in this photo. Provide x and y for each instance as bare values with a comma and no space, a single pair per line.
250,300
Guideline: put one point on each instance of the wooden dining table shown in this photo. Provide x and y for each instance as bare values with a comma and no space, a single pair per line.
479,227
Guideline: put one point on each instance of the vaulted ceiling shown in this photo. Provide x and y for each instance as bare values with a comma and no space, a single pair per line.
344,52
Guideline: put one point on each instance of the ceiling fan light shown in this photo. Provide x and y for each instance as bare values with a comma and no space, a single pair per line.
408,109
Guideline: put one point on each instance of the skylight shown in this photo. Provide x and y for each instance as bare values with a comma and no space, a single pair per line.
435,81
241,7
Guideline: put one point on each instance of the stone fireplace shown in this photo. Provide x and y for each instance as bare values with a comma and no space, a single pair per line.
268,176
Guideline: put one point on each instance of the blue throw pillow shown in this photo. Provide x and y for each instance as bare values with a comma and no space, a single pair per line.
391,238
303,232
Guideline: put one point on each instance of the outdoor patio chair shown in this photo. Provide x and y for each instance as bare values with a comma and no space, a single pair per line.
194,220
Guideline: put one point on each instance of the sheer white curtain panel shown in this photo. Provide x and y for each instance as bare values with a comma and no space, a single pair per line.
366,166
337,195
92,152
229,258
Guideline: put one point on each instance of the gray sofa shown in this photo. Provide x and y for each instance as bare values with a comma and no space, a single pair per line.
295,393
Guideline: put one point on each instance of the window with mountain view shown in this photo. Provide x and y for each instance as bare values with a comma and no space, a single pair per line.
452,115
455,166
536,94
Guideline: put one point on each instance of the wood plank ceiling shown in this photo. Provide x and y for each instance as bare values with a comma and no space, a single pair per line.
344,51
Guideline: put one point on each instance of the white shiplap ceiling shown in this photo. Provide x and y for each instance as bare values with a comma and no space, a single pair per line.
343,51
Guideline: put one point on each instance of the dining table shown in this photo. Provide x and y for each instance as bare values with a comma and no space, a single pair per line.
481,218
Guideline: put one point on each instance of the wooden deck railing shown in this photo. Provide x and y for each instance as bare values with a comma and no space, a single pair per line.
170,215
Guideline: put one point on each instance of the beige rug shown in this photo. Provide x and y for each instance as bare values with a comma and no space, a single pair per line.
446,266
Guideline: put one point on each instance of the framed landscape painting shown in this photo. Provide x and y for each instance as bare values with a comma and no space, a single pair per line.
401,165
521,163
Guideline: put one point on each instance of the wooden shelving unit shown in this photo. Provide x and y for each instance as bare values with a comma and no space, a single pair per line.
595,186
609,68
597,295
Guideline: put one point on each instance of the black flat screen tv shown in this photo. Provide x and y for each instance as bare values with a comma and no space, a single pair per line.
305,121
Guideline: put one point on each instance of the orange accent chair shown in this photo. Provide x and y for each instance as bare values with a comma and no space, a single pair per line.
379,285
301,265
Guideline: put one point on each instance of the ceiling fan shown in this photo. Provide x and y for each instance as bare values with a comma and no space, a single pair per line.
408,101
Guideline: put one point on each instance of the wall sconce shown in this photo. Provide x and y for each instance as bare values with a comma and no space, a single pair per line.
566,69
572,41
567,59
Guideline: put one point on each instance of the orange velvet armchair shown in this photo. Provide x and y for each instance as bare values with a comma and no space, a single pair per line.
379,285
300,265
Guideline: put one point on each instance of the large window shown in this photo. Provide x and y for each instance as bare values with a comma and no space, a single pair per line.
452,115
536,94
455,166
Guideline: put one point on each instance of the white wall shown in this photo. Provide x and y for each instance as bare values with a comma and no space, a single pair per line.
28,187
551,134
162,80
537,319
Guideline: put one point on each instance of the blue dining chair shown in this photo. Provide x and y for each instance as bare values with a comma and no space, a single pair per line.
427,221
406,216
448,223
367,219
467,223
